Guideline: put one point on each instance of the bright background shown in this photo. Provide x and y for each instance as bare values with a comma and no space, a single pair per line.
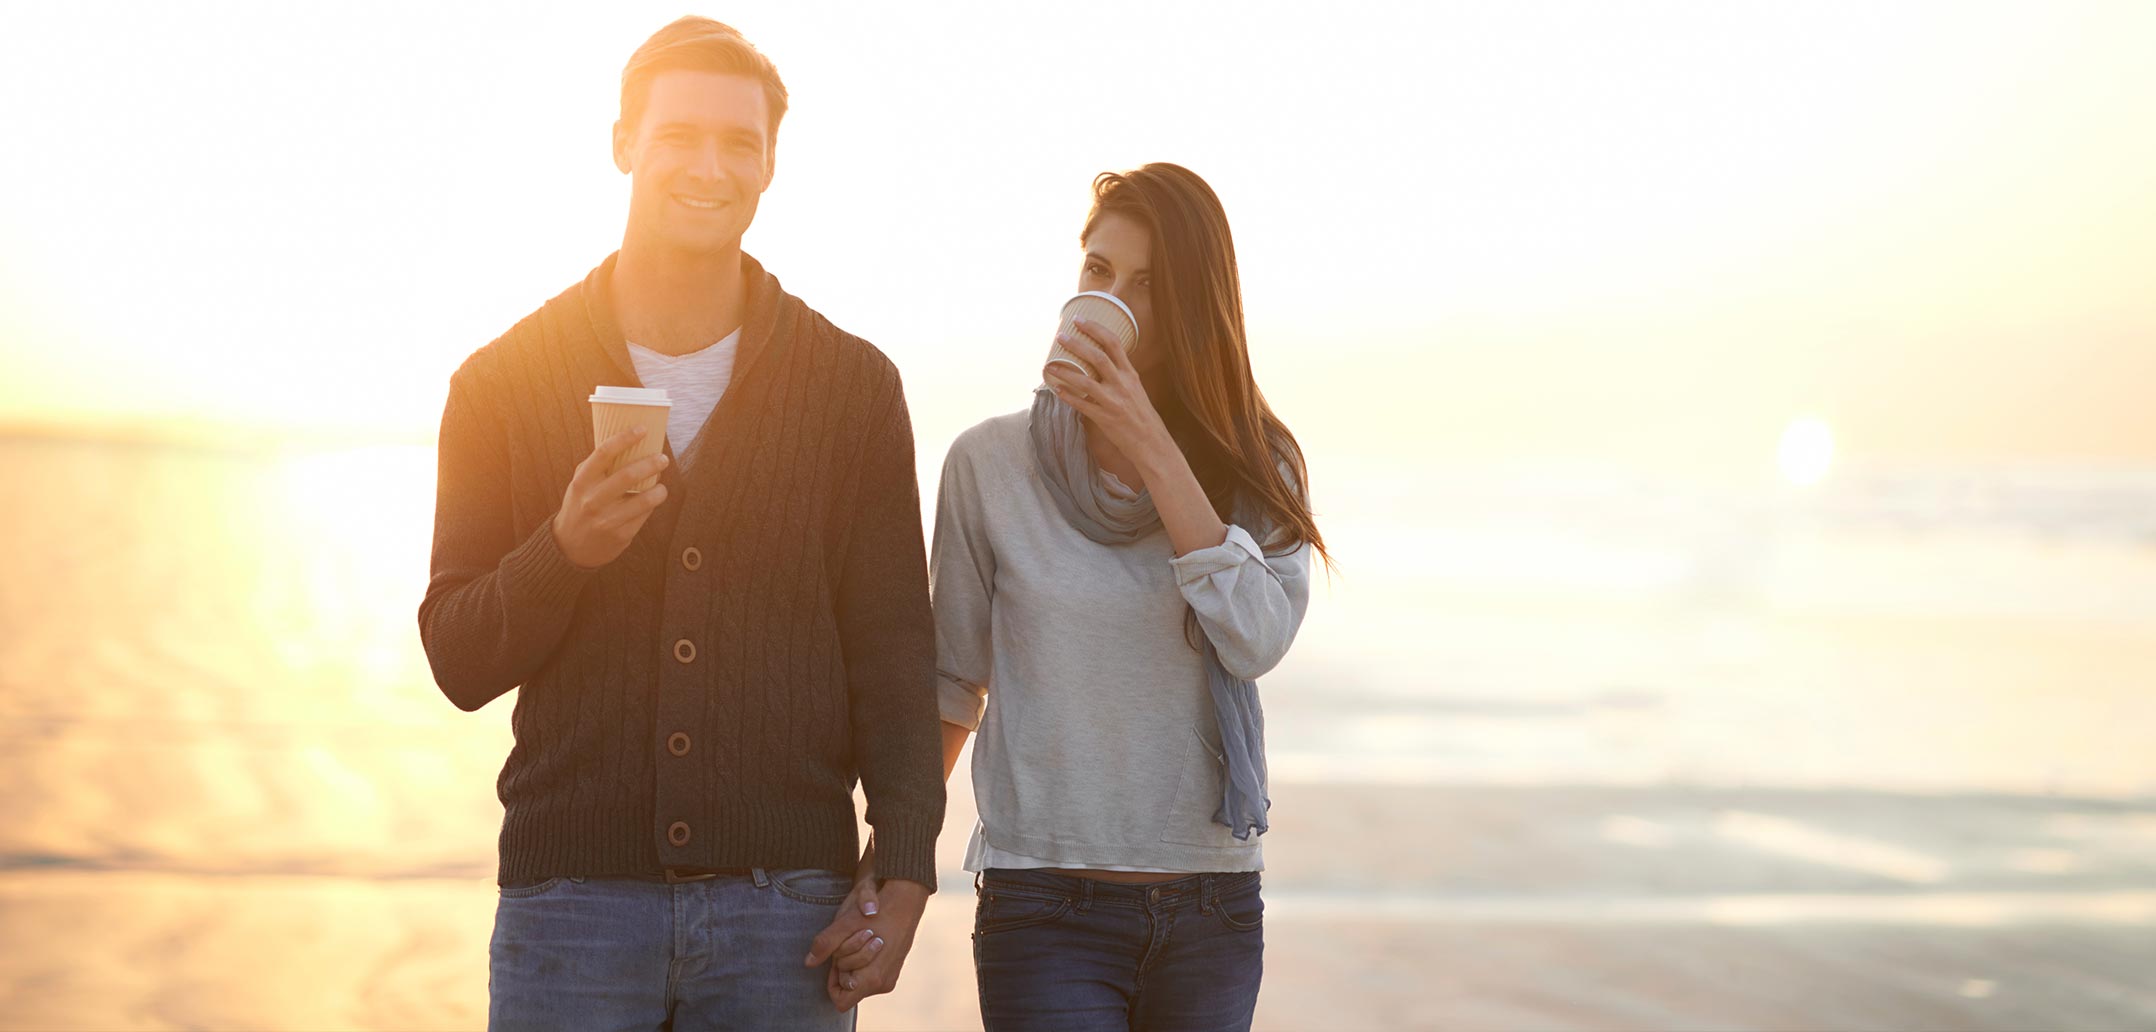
1640,233
1732,420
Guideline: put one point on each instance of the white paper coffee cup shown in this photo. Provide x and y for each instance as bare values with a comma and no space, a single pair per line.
615,409
1102,309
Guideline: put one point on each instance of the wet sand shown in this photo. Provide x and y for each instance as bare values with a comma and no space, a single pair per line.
1471,908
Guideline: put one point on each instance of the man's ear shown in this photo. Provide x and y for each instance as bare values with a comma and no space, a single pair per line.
621,145
771,165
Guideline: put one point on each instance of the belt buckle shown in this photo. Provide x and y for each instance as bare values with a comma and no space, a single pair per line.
674,877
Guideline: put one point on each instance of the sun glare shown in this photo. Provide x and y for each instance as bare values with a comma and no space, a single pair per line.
1807,451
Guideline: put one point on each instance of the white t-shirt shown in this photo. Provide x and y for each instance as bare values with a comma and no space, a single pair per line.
693,383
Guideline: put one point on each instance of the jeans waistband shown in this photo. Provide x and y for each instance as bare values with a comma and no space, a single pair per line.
669,876
1191,890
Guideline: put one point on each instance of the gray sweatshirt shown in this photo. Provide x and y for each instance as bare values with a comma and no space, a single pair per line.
1097,745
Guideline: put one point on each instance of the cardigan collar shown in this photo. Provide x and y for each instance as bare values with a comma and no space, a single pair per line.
762,328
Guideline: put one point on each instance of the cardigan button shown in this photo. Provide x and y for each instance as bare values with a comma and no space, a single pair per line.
692,559
678,743
678,833
685,651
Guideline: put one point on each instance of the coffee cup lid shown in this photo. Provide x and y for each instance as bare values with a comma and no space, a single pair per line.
630,396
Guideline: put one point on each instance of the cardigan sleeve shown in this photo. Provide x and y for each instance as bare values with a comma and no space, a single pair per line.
889,642
496,607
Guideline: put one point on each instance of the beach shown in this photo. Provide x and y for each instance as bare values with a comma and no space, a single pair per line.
1767,771
1555,915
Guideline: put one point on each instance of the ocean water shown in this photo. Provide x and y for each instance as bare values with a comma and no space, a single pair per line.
236,628
1914,700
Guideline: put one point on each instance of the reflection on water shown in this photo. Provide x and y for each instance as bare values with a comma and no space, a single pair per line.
212,662
1948,909
1771,834
1528,703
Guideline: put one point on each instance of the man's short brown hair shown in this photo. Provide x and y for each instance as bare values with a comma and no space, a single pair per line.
702,45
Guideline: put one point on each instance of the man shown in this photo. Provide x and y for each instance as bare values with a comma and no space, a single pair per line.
706,666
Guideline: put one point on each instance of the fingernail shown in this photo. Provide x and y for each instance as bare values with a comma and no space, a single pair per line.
869,907
875,944
641,431
810,959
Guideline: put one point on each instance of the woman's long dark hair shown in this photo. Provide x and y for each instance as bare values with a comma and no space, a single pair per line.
1216,413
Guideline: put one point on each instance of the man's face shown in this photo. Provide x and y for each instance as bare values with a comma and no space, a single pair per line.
699,158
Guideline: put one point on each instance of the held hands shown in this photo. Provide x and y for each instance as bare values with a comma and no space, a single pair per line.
598,516
1116,402
868,941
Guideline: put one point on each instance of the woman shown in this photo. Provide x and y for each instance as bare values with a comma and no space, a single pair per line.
1111,570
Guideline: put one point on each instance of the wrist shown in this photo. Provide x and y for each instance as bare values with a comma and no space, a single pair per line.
561,544
1159,455
901,888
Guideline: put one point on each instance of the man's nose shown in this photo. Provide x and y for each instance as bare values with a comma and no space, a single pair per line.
704,163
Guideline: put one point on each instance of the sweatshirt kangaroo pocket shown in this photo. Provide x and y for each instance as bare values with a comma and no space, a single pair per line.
1197,797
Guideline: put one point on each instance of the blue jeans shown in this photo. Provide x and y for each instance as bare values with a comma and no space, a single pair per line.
1055,952
606,954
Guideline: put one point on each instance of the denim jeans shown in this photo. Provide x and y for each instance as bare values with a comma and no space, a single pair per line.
1055,952
605,954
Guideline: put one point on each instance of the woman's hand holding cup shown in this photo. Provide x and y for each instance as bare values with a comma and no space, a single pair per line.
1115,400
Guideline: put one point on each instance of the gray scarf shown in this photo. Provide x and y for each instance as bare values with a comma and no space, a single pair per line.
1059,446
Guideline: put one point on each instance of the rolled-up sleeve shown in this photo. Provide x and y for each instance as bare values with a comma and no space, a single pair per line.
1249,604
961,585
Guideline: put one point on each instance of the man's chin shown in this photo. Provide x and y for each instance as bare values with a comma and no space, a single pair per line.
698,242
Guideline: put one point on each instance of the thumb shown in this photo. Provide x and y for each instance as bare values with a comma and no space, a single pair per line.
865,894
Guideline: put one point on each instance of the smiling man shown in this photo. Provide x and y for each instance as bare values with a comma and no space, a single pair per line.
705,668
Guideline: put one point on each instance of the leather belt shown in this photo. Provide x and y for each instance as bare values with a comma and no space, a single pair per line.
679,875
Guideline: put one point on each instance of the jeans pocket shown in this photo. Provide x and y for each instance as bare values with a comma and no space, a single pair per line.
536,889
813,886
1007,912
1242,910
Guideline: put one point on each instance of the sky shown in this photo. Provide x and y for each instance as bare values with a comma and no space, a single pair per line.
1647,236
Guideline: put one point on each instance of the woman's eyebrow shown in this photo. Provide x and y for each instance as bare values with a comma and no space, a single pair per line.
1096,256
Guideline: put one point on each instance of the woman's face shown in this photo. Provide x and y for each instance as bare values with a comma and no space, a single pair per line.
1116,258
